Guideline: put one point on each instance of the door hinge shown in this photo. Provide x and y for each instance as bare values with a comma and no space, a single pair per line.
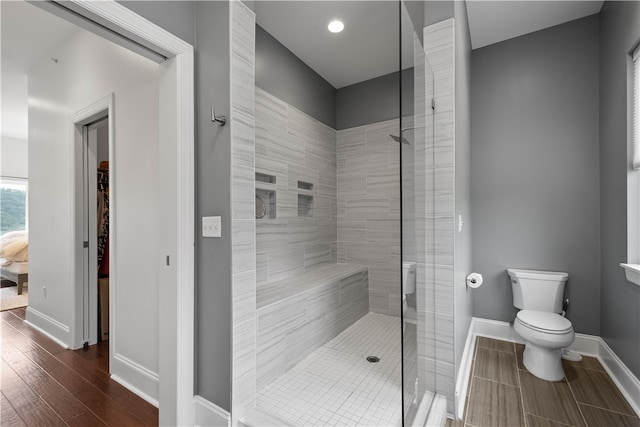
433,104
85,244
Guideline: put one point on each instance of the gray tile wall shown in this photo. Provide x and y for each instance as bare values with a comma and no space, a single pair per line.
437,209
292,147
291,328
243,242
369,209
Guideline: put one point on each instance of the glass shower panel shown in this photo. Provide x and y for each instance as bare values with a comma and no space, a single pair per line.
417,180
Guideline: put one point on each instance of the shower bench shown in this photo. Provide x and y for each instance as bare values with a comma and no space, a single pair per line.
301,313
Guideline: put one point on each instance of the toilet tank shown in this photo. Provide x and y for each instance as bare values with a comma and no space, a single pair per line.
537,290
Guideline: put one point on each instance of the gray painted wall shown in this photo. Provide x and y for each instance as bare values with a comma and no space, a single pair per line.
416,12
463,297
535,168
438,11
284,75
374,100
213,159
177,17
620,299
208,23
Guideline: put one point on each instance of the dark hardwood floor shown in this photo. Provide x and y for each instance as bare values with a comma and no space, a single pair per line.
42,384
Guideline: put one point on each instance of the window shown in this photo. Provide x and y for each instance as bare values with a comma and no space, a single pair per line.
636,108
13,204
632,267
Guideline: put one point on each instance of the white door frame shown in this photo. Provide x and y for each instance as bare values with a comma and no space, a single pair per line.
84,328
176,293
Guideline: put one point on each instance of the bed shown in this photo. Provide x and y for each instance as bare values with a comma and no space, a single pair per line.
14,257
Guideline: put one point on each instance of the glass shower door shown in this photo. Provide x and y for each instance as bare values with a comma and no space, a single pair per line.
417,192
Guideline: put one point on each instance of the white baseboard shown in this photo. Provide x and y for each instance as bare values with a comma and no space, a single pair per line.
210,414
462,383
136,378
56,331
588,345
628,383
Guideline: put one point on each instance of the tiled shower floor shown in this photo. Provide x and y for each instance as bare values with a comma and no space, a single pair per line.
335,385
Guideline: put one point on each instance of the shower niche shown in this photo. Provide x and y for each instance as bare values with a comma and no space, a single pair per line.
305,199
265,196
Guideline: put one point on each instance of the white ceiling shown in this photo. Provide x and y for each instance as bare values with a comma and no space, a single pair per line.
28,34
367,48
494,21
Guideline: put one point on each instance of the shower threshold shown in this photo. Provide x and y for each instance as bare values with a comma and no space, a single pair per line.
336,385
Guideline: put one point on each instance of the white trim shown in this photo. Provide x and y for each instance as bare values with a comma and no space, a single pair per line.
99,108
136,378
46,325
466,362
209,414
127,22
588,345
135,390
627,383
185,257
93,110
632,272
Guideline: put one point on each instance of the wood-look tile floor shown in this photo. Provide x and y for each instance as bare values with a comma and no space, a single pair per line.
42,384
503,393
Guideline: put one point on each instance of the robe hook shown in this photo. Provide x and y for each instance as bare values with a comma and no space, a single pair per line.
221,120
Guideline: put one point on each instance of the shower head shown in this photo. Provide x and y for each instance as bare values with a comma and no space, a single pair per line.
400,139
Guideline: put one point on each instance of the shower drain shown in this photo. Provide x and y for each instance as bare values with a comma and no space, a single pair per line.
373,359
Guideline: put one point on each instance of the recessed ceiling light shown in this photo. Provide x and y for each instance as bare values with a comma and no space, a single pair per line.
336,26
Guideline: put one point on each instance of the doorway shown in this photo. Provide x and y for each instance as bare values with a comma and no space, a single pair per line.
139,370
95,236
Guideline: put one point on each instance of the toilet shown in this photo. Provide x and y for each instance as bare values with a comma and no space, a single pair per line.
538,295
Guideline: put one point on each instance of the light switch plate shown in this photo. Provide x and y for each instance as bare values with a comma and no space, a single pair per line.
211,226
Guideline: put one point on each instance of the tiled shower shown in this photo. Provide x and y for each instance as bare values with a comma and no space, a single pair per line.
330,235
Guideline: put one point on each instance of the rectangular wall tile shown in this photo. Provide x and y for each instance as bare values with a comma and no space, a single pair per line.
295,147
272,362
435,184
243,238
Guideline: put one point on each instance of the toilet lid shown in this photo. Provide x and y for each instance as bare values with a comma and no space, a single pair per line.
543,321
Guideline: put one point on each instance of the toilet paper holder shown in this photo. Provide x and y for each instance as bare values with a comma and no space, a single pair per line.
474,280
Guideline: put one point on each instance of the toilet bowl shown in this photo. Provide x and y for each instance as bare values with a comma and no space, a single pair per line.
546,334
538,295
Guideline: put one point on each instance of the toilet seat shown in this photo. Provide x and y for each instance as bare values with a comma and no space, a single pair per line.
540,321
